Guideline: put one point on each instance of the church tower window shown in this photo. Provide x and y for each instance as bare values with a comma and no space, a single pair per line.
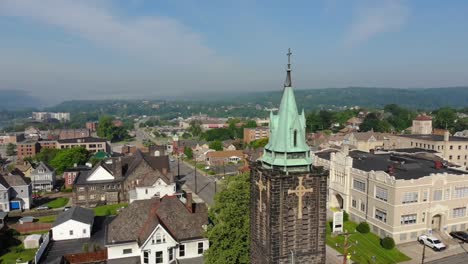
295,138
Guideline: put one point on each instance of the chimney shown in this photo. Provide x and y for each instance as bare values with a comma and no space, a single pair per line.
118,168
346,149
164,171
446,136
189,202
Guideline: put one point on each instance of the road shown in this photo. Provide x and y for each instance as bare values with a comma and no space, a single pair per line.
455,259
203,186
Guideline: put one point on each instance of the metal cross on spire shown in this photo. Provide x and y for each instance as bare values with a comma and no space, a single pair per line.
289,58
288,82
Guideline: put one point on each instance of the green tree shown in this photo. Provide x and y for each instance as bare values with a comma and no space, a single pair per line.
11,149
104,129
259,143
46,155
373,122
216,145
66,158
195,128
445,118
188,152
250,124
230,233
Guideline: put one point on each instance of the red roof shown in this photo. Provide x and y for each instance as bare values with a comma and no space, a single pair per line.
423,118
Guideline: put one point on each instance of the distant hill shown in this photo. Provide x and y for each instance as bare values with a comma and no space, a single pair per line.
431,98
17,99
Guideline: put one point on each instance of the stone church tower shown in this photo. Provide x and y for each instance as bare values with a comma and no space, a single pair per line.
287,194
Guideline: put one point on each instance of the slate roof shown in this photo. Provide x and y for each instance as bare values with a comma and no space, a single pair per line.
43,165
15,180
3,182
80,214
140,218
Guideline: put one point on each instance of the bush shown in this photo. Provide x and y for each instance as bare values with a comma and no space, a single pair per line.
387,243
363,228
345,216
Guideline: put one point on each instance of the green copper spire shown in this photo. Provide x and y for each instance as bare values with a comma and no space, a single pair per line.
287,148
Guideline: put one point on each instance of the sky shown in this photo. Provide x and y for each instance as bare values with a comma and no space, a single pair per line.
89,49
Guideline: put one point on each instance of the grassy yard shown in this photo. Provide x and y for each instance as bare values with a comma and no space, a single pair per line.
57,203
368,246
110,209
47,219
16,252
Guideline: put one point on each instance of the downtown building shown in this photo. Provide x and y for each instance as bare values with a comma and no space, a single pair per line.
401,194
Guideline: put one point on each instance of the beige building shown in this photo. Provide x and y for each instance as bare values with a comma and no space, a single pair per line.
399,195
452,149
422,125
365,141
251,134
90,143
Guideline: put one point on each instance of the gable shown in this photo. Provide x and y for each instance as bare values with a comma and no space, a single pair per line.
159,182
158,232
100,174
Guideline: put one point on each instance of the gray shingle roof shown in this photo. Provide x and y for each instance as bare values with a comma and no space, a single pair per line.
137,222
80,214
15,180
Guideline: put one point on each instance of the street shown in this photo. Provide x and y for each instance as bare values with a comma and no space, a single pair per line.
202,185
455,259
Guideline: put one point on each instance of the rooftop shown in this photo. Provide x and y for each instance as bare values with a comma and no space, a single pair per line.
81,140
79,214
406,166
435,137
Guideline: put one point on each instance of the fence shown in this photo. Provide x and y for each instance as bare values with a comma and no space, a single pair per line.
90,257
42,248
31,227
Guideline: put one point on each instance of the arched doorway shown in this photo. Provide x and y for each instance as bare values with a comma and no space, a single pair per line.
339,200
436,221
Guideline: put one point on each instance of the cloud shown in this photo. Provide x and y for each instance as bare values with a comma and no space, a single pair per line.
152,38
374,18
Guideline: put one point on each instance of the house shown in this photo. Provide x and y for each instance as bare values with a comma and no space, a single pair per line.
399,194
159,230
354,123
15,193
70,174
229,144
43,177
365,141
91,144
124,179
26,168
75,223
217,158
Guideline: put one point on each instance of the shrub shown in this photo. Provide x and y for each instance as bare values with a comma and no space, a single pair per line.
363,228
345,216
387,243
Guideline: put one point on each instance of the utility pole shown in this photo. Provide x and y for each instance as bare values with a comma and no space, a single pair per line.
195,176
178,167
346,246
424,252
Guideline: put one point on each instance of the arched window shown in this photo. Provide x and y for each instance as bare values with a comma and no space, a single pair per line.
295,138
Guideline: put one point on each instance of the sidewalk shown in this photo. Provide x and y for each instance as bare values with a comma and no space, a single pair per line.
334,257
414,251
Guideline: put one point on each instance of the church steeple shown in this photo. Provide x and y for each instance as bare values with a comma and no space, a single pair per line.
287,148
288,81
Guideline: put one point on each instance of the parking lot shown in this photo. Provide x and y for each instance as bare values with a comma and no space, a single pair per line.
414,250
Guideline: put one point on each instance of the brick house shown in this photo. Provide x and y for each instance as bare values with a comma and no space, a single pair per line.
27,148
70,174
216,158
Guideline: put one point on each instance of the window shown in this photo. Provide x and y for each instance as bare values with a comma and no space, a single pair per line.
363,207
146,257
458,157
450,157
127,251
146,191
424,196
460,192
159,257
447,194
459,147
295,138
408,219
171,254
459,212
71,232
451,147
359,185
437,195
354,203
410,197
84,231
182,250
81,197
381,193
381,215
200,248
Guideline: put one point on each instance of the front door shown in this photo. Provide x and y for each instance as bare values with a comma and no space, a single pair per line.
436,223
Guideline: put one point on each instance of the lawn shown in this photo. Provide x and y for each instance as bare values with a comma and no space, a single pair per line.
110,209
368,246
16,252
47,219
57,203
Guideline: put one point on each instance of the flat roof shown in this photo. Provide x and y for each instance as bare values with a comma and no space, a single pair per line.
435,137
406,166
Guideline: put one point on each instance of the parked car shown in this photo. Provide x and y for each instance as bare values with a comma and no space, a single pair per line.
463,236
42,208
26,219
66,208
432,242
36,196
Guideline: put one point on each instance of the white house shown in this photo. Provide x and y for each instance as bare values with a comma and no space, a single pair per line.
75,223
160,188
43,177
168,229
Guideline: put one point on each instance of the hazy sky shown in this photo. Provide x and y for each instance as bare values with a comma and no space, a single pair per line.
64,49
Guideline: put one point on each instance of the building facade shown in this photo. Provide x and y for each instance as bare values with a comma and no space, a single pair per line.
27,148
251,134
15,193
288,194
91,144
43,177
422,125
400,195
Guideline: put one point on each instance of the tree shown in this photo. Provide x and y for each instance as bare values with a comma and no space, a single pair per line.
216,145
230,233
188,152
250,124
106,129
46,155
445,118
11,149
195,128
259,143
66,158
373,122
